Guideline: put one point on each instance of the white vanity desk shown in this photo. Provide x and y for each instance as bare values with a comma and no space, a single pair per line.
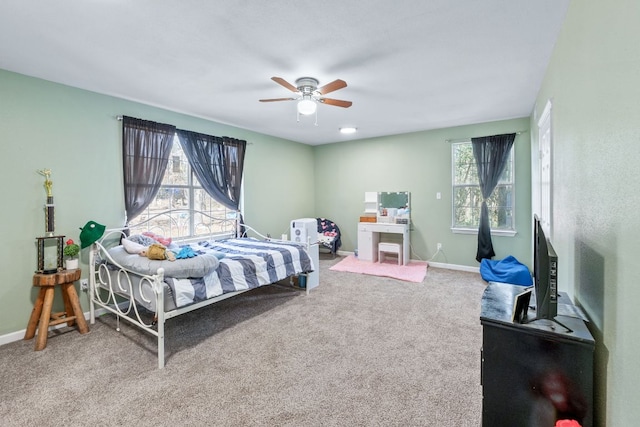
369,237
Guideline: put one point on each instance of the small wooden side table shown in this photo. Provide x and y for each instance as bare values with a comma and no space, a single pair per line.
42,317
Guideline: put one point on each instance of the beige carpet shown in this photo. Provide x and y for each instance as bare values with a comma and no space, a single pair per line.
359,351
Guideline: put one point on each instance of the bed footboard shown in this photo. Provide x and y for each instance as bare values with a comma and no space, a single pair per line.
115,289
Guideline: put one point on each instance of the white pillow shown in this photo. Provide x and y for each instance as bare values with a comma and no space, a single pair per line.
132,247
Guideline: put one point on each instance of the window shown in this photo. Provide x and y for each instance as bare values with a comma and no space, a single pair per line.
181,194
467,197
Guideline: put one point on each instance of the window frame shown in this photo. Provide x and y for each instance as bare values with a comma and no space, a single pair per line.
471,230
192,186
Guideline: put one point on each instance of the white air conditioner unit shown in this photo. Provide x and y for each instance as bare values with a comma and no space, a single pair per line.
304,228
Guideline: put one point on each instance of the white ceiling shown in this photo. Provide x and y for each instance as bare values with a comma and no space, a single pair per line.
410,65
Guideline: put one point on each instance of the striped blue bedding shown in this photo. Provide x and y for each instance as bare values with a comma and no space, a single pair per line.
246,263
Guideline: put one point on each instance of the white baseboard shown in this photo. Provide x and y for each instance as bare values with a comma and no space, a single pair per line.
19,335
454,267
12,336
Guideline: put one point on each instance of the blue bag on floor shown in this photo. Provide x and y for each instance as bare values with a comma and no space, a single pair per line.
508,270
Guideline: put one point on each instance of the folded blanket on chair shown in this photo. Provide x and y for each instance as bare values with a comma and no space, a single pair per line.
329,234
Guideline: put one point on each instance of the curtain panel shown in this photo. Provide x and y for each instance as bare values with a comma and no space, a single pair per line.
146,147
491,154
218,163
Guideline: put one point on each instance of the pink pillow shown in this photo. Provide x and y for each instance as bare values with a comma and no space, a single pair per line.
166,241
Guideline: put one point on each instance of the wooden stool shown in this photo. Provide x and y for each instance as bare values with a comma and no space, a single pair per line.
41,315
389,248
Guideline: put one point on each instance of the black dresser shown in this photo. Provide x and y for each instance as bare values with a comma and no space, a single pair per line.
536,372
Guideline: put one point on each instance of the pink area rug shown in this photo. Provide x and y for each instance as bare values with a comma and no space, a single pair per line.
415,271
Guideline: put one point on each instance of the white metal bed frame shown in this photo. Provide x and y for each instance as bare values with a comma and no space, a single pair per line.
120,299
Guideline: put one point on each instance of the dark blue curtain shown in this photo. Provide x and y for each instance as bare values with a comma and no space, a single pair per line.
491,154
145,150
217,163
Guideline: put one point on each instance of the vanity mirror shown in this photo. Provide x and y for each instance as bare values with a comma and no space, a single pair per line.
394,207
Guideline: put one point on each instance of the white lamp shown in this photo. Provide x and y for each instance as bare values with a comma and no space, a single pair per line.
307,106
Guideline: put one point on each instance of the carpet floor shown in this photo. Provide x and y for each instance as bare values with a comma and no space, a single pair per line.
359,350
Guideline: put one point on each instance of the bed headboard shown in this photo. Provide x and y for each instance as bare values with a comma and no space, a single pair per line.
187,225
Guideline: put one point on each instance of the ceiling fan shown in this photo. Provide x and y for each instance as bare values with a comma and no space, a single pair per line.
309,94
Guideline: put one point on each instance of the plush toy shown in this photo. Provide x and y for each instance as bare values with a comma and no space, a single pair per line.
157,251
186,252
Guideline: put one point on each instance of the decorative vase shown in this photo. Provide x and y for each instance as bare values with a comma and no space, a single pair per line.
71,264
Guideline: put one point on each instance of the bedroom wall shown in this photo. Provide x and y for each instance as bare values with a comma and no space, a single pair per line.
420,163
75,133
593,82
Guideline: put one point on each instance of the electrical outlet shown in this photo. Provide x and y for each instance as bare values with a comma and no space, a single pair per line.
84,284
439,246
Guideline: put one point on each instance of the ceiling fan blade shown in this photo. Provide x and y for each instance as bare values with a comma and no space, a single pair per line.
277,99
285,83
336,102
330,87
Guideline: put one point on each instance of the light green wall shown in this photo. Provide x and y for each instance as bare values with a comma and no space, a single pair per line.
594,82
75,133
420,163
592,79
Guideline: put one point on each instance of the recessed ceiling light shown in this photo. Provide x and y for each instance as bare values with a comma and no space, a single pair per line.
348,131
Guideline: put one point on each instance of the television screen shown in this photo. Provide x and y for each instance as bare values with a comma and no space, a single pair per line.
545,272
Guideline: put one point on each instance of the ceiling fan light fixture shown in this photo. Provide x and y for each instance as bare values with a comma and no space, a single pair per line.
307,106
348,130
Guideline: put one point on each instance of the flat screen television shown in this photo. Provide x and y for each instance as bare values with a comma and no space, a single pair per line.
545,273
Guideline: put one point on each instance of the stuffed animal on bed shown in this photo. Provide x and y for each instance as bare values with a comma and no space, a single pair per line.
159,252
186,252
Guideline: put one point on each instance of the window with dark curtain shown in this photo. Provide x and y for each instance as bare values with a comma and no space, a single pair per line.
218,163
491,154
145,149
